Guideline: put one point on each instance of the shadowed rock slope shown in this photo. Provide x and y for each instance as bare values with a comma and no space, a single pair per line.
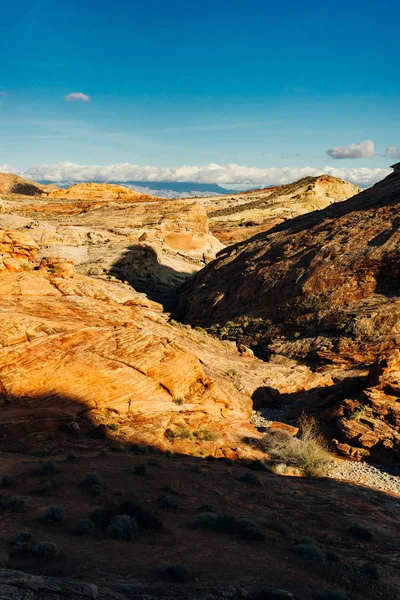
324,287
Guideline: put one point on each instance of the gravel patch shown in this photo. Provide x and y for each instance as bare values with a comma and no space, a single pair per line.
380,478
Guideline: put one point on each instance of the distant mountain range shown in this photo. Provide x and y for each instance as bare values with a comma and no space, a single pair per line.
165,189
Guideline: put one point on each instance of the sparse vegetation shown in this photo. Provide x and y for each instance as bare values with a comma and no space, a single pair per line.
47,550
308,452
179,401
113,426
180,433
204,435
309,550
91,479
231,372
12,503
53,514
166,501
84,527
122,527
145,519
246,528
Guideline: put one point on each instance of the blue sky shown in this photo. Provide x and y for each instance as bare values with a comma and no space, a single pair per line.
255,84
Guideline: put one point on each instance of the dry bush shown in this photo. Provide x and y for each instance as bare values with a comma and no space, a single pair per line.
307,453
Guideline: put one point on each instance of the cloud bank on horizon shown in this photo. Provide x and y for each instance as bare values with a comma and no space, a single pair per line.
231,174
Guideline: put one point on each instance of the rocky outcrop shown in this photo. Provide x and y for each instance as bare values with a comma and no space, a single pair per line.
99,191
155,246
13,184
324,288
236,218
73,348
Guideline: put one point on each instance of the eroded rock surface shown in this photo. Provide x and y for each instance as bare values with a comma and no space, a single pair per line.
73,347
239,217
323,287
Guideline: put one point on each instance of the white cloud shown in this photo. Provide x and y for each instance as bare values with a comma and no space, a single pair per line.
365,149
392,152
211,173
8,169
77,97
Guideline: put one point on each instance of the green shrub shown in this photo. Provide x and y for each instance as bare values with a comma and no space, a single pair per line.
53,514
83,527
176,572
114,426
180,433
205,520
204,435
47,550
122,527
179,401
308,452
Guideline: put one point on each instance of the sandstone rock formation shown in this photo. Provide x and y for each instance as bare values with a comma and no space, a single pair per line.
100,191
236,218
74,348
323,287
13,184
153,245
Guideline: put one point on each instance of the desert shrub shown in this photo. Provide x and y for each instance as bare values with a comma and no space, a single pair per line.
12,503
23,545
177,571
53,514
48,468
72,455
23,537
143,517
205,520
180,433
250,478
141,469
47,487
179,401
47,550
96,491
7,480
204,435
199,329
309,551
122,527
231,372
308,452
91,479
113,426
167,501
360,532
83,527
